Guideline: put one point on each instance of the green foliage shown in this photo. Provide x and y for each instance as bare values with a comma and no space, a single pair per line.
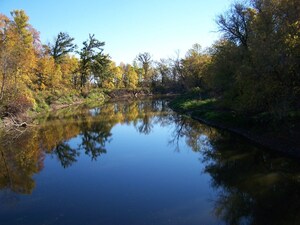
130,77
192,100
40,103
255,68
94,64
63,45
194,67
96,95
94,98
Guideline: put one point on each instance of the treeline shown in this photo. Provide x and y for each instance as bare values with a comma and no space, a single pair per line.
253,68
33,75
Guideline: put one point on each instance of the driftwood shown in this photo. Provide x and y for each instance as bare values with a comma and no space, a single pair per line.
13,121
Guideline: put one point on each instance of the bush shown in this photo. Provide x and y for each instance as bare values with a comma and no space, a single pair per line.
96,95
20,104
41,104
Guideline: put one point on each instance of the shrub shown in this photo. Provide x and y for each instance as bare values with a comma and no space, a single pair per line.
19,104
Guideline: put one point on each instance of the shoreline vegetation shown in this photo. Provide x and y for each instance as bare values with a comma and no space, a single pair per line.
248,81
9,121
282,136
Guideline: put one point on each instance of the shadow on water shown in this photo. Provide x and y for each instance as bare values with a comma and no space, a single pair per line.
253,186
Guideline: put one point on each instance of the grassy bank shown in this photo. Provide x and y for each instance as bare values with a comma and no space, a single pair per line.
15,113
280,135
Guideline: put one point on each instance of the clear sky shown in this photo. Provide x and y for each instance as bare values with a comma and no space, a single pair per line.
127,27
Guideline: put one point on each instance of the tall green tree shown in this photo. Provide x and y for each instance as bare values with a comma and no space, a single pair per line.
63,45
93,62
194,67
130,77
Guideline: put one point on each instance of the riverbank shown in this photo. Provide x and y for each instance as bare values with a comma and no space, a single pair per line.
43,104
282,136
92,99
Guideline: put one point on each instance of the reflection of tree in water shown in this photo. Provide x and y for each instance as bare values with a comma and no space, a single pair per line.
94,128
195,134
24,154
255,187
18,163
65,154
146,125
95,138
153,112
94,135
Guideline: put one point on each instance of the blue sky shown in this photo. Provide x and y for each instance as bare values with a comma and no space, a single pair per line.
128,27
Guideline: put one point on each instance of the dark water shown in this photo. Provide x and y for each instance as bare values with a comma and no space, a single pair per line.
139,163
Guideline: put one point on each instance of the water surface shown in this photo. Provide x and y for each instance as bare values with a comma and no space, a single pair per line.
140,163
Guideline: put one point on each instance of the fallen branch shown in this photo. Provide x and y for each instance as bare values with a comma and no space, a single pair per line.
14,121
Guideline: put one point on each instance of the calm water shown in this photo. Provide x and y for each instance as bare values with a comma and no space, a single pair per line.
139,163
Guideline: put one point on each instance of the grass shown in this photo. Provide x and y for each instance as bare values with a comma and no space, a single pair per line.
208,109
94,98
213,111
192,101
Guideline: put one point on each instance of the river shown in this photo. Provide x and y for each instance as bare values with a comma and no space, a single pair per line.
139,163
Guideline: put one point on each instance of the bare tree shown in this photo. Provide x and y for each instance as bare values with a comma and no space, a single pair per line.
145,60
235,24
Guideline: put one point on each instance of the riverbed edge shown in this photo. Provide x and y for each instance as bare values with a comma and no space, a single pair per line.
270,142
112,95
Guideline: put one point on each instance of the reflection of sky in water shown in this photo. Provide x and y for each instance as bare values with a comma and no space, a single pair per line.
95,111
153,169
140,180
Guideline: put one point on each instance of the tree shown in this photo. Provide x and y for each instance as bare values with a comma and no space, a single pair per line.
145,60
63,45
118,76
130,77
256,66
69,69
21,41
4,54
235,24
164,71
220,76
193,67
101,70
48,74
93,62
17,59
